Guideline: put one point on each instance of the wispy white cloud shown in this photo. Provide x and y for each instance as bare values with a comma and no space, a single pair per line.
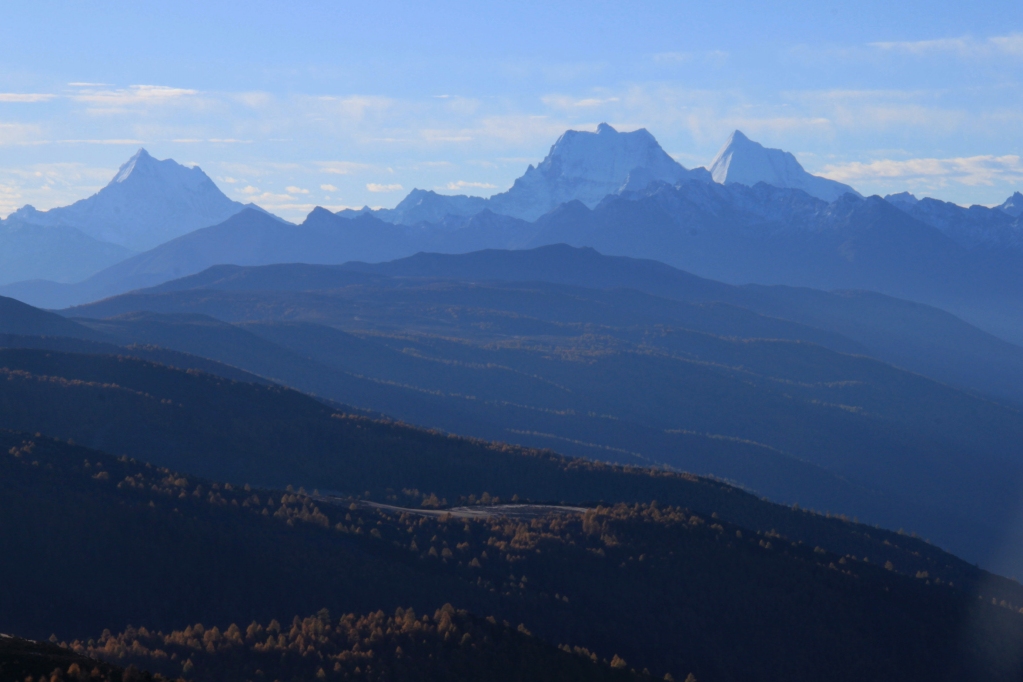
20,133
27,97
673,57
499,131
291,189
970,171
134,94
565,102
210,140
964,46
446,136
115,141
340,167
353,107
328,188
374,187
464,184
45,185
10,199
254,100
676,58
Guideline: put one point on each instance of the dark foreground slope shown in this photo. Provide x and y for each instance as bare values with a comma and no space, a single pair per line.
450,645
97,542
271,436
24,660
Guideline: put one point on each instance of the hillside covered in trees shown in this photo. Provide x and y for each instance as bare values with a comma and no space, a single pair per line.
97,542
24,660
264,435
447,645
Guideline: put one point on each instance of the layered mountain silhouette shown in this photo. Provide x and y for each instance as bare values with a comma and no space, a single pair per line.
623,195
58,253
779,389
660,368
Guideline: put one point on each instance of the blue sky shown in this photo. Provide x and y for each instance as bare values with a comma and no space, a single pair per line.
344,104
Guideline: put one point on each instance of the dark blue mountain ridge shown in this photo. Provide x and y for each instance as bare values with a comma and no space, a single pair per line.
973,227
915,336
59,253
732,233
617,374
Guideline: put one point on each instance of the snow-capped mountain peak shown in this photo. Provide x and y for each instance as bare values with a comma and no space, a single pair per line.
125,171
587,166
148,201
747,162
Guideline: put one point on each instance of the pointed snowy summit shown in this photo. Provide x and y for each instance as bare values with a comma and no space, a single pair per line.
148,202
747,162
141,157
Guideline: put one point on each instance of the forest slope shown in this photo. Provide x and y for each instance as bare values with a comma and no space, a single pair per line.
625,376
748,603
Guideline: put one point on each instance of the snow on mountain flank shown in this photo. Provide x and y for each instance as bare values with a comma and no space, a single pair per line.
148,202
747,162
587,167
581,166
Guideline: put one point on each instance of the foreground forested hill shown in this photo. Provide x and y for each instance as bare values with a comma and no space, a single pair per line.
98,542
447,645
266,435
23,660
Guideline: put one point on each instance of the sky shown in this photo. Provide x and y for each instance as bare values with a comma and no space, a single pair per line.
345,104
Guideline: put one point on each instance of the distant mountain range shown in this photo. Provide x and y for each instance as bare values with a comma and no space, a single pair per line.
756,217
973,227
59,253
581,166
